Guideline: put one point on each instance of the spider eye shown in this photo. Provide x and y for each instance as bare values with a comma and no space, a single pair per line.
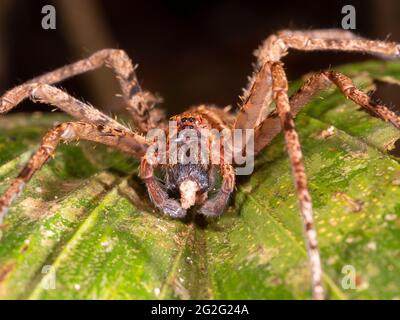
190,119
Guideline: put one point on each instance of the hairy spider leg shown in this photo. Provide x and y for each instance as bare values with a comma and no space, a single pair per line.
68,131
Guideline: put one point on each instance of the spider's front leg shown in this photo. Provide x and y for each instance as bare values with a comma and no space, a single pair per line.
280,88
69,131
258,96
276,46
269,83
265,132
141,104
157,194
44,93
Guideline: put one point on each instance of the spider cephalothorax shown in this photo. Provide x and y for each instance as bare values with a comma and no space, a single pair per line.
192,181
189,172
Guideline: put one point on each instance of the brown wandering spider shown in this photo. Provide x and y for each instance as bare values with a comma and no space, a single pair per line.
194,181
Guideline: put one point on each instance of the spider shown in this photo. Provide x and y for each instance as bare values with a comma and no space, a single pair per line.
193,182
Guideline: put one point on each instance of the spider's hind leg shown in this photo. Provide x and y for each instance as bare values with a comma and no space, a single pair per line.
347,87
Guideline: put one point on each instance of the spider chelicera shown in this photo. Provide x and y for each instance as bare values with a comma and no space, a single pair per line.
193,182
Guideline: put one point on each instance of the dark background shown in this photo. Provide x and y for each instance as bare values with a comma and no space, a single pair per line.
189,52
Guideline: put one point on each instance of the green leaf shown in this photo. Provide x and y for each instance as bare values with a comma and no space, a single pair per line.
85,222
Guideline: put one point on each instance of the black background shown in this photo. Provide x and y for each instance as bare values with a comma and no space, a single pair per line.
189,52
